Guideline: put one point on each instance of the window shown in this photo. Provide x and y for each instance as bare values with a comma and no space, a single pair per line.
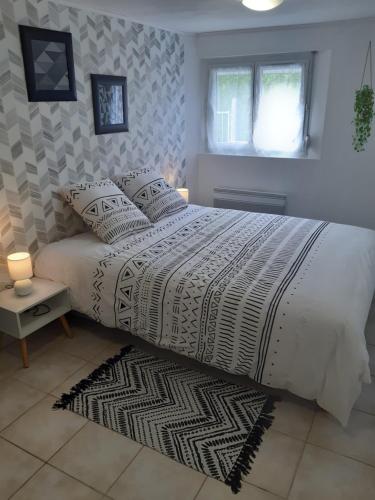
260,105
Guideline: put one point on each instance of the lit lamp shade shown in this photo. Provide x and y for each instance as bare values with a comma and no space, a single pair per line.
20,270
184,192
261,4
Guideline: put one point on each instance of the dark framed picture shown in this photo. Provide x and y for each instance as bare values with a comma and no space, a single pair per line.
109,94
49,64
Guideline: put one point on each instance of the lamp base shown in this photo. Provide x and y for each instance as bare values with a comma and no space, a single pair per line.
23,287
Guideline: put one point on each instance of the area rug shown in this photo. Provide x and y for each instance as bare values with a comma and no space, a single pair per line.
205,423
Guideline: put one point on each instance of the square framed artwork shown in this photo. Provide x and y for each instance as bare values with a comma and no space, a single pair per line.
109,94
49,64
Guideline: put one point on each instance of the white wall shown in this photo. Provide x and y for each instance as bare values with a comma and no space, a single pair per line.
340,185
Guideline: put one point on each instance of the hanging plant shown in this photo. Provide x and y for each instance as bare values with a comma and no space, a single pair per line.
363,109
364,115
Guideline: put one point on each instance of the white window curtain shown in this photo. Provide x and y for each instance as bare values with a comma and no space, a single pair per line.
230,109
279,110
259,107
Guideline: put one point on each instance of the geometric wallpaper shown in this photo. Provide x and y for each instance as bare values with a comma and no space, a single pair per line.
44,145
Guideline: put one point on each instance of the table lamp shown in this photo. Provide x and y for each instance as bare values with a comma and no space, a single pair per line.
21,270
184,192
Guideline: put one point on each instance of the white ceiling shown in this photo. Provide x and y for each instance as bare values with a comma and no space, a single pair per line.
210,15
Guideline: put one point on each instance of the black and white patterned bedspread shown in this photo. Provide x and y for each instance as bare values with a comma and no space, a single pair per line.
211,288
266,296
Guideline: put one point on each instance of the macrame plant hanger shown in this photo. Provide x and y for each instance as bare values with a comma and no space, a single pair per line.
368,59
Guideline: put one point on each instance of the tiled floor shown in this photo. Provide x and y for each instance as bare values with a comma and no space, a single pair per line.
47,454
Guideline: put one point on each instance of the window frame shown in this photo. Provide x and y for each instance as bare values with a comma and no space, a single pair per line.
254,62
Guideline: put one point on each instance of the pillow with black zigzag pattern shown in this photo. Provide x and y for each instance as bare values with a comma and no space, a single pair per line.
105,209
150,192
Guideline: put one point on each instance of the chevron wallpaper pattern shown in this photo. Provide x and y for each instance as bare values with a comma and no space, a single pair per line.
46,145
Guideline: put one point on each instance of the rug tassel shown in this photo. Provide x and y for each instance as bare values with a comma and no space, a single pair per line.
66,399
245,459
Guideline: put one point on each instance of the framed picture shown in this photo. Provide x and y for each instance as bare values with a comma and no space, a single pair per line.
109,94
49,65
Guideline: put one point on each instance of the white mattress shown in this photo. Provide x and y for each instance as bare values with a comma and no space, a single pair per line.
321,310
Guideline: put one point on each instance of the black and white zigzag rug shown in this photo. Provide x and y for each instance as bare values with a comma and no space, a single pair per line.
202,422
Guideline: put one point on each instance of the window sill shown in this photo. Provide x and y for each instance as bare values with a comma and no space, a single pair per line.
308,157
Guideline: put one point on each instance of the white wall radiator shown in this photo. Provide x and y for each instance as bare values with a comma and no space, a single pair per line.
249,201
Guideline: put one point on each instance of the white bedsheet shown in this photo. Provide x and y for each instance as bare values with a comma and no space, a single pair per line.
316,346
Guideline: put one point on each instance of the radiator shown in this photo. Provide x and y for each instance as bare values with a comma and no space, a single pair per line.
249,201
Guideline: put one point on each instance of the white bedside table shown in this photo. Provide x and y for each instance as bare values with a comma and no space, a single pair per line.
21,316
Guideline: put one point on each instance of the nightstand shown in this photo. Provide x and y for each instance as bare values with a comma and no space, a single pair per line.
21,316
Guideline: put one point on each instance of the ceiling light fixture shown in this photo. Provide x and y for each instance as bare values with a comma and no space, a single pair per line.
261,4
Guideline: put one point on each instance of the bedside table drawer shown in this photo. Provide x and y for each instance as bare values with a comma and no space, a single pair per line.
9,322
21,316
35,318
20,323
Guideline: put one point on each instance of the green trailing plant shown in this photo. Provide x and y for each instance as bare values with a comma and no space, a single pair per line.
364,115
363,109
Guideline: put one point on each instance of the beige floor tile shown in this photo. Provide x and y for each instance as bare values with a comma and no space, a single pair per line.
51,484
324,475
16,467
275,463
154,476
39,341
109,352
96,456
6,340
49,370
357,440
215,490
73,379
15,398
9,364
292,418
84,344
108,334
42,430
115,336
366,401
371,351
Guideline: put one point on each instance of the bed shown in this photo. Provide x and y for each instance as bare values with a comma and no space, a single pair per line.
280,299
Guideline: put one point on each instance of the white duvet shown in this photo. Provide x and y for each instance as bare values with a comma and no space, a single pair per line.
280,299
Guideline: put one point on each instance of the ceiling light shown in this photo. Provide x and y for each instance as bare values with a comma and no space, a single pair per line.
261,4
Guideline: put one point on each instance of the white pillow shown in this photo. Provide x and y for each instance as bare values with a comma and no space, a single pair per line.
105,209
150,192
